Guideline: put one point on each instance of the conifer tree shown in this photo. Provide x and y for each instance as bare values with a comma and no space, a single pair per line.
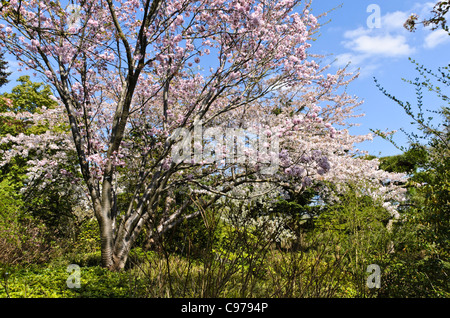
3,71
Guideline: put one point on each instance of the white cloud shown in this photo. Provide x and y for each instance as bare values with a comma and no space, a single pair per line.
383,45
394,21
368,49
367,46
378,42
423,9
345,58
361,63
13,65
350,34
436,38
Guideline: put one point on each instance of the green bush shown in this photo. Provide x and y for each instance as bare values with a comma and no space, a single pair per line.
85,248
51,281
358,225
22,240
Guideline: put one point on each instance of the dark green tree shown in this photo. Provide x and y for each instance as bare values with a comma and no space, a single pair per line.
3,70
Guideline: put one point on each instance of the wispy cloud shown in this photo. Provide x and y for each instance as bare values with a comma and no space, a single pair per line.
436,38
393,21
367,48
13,65
373,43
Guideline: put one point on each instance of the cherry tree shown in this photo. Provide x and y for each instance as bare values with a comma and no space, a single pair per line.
204,96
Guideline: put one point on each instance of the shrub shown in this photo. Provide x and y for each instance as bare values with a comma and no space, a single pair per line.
37,281
21,239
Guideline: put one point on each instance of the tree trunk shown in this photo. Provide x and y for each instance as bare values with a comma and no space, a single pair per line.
114,248
127,233
124,240
120,256
106,244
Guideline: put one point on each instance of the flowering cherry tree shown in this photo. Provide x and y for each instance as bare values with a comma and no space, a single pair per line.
136,78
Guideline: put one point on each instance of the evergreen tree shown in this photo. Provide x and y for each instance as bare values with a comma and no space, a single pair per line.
3,71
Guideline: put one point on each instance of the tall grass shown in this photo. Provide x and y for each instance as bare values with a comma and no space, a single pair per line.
244,263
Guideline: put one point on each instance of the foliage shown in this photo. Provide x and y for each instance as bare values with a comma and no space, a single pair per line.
238,265
409,162
360,226
51,282
420,266
21,239
27,97
86,239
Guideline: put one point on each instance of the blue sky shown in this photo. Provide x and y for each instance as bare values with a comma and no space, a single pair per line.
381,52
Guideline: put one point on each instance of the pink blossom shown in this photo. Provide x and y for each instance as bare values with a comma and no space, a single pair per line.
179,20
72,29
